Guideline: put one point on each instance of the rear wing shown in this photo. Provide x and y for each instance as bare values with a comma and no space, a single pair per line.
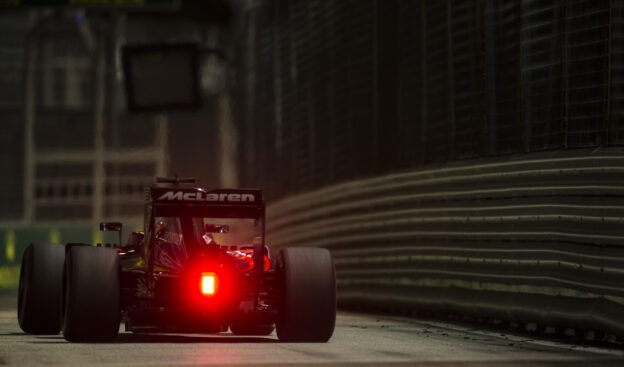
226,203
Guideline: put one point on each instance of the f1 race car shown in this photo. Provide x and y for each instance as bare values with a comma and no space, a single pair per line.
199,266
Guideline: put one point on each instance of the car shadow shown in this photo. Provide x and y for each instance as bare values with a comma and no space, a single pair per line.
144,338
194,338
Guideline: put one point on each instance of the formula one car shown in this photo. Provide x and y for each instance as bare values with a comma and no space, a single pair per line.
199,266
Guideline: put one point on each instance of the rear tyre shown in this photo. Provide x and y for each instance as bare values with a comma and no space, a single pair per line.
307,310
41,288
91,294
252,329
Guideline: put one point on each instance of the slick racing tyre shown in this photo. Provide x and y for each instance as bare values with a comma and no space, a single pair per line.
238,329
91,294
307,311
41,288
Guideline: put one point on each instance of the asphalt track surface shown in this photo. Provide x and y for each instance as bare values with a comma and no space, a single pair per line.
359,340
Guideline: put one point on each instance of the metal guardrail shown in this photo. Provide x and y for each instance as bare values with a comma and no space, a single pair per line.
533,239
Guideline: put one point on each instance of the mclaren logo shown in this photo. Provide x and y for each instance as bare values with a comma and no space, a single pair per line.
202,196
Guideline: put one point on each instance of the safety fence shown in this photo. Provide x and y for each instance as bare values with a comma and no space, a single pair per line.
338,90
533,239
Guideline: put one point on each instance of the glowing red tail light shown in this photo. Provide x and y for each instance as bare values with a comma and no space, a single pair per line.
208,284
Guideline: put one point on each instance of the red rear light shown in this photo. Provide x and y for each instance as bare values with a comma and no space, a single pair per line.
208,284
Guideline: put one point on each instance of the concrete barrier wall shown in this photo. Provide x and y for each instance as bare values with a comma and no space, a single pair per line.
535,239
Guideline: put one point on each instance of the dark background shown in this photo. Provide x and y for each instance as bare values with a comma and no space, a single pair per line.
336,90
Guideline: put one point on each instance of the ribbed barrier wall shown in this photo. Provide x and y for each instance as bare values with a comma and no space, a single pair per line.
15,238
535,239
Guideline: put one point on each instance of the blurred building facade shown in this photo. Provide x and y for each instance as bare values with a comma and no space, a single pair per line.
70,150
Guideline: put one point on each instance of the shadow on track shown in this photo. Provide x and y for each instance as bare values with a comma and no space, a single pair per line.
194,338
129,338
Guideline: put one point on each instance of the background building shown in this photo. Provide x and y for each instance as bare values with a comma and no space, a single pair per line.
71,153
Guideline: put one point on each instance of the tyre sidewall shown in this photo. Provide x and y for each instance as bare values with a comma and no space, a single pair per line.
40,288
308,302
91,294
